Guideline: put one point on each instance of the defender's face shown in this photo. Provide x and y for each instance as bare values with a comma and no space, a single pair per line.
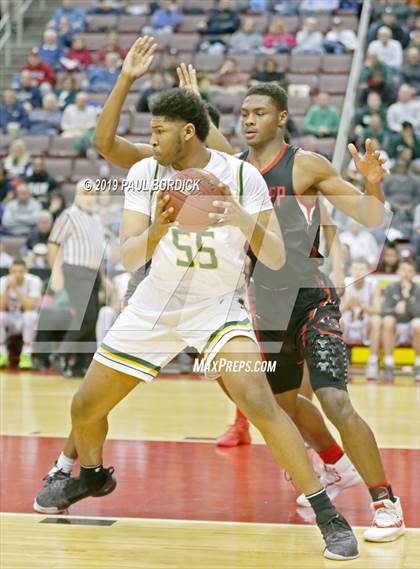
261,119
167,140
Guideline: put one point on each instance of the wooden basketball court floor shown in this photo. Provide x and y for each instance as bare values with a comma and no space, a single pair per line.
181,502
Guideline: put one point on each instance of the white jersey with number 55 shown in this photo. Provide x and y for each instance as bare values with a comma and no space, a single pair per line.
208,263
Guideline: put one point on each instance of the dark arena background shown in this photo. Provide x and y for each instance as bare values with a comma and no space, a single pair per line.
197,486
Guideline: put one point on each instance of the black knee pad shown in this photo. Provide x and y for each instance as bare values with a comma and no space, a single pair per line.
326,355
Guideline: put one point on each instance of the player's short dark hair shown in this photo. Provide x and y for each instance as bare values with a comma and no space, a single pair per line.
213,114
276,93
18,261
180,104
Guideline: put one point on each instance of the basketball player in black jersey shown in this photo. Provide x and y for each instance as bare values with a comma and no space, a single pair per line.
297,307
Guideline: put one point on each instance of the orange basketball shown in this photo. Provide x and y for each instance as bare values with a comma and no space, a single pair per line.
191,195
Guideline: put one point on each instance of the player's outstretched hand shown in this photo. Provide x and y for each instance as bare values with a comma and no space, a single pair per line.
187,76
231,211
139,58
371,165
162,222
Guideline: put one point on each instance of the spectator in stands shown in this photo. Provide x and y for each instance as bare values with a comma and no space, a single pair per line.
277,40
102,79
221,20
389,260
229,79
112,45
388,50
373,106
6,260
361,243
42,74
18,161
20,295
20,213
401,318
270,73
39,181
47,120
376,76
79,120
376,130
7,191
259,6
56,204
66,93
27,92
157,85
403,192
317,6
415,39
41,232
406,109
79,53
169,67
13,116
75,15
309,40
339,39
65,33
361,313
246,40
389,20
322,119
50,50
406,138
117,7
166,19
37,258
410,71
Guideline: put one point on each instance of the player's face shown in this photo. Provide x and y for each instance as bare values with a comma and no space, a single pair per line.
261,120
167,140
18,271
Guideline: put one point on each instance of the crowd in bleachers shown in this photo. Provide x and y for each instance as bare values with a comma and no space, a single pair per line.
48,115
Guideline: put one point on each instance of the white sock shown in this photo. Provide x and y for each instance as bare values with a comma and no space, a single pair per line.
389,361
26,350
417,361
65,464
3,349
373,359
342,464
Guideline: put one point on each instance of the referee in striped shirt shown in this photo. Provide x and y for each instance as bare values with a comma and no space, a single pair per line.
78,238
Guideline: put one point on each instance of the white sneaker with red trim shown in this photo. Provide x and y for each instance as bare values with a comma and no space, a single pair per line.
335,478
388,521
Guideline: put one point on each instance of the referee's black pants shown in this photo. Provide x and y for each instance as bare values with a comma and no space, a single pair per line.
82,286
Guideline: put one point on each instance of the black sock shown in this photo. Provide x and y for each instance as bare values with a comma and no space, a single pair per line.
93,477
379,493
322,506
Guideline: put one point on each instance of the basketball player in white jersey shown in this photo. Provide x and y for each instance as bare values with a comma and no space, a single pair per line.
361,310
190,298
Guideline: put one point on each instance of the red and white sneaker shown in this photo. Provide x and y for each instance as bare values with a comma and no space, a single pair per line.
388,521
335,478
237,434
